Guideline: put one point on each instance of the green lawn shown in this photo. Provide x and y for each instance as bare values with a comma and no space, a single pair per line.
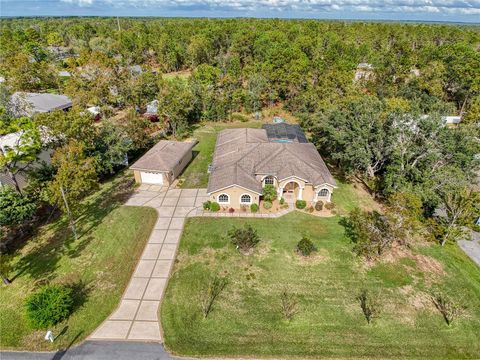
98,265
195,175
246,319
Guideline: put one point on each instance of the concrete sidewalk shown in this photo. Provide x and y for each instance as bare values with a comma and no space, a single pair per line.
136,317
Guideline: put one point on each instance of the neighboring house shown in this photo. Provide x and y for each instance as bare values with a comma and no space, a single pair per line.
163,162
12,141
27,104
364,71
245,160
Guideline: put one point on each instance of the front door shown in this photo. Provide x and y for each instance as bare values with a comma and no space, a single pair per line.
290,191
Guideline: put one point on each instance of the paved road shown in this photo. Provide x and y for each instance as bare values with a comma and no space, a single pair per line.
472,247
98,350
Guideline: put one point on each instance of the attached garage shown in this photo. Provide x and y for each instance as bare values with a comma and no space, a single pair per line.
151,178
163,163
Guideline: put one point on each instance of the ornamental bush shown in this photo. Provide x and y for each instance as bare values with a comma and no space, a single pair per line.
254,208
329,206
244,239
207,204
300,204
214,206
319,206
305,247
269,193
48,306
267,204
282,201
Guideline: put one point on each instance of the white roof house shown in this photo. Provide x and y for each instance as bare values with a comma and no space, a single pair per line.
31,103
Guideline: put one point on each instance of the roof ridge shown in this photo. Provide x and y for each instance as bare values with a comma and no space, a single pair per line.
276,152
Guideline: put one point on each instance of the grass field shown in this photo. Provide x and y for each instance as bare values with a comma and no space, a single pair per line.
247,321
98,265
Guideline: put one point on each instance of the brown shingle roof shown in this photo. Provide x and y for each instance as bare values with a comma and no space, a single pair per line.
163,156
240,154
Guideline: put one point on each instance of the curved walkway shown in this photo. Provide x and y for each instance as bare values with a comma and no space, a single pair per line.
136,317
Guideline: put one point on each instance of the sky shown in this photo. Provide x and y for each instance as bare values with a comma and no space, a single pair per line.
414,10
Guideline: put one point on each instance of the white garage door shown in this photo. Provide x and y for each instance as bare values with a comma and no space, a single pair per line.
151,178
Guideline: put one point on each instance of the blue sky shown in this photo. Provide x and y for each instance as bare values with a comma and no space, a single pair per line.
429,10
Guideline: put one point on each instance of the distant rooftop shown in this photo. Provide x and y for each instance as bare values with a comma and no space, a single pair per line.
31,103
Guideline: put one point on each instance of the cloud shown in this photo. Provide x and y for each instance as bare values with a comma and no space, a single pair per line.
464,7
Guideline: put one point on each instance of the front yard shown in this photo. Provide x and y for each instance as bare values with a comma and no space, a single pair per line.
98,266
247,320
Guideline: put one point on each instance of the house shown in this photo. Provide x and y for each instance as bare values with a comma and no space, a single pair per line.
13,141
27,104
245,160
364,71
163,163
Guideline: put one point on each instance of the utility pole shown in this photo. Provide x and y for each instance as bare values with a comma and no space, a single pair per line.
70,216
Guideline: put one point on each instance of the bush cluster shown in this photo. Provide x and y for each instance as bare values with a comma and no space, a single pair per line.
207,204
244,239
254,208
267,204
319,205
305,247
48,306
301,204
214,206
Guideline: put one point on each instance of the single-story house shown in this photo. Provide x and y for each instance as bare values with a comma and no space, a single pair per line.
163,163
245,160
12,141
27,104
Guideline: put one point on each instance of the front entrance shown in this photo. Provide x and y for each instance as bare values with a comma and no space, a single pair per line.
290,191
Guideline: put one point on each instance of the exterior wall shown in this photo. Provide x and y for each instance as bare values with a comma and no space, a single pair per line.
177,169
234,194
323,198
137,176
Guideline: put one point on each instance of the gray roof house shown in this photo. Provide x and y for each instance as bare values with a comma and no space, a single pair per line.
27,104
163,162
245,160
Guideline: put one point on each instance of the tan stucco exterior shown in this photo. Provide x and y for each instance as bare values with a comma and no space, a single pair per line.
234,193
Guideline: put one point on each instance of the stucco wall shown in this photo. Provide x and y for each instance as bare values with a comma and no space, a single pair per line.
234,194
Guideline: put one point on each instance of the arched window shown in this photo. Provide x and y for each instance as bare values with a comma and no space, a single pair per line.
245,199
323,193
223,199
268,180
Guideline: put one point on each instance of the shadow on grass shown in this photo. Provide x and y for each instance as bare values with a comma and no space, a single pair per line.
42,261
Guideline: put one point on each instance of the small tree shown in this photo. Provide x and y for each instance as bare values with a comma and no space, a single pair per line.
15,208
244,239
446,307
305,246
288,303
76,177
50,305
368,305
269,193
214,287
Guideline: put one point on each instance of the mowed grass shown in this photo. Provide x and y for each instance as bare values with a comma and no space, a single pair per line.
98,266
196,175
247,320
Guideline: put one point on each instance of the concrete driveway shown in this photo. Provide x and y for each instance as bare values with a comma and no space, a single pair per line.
472,247
136,318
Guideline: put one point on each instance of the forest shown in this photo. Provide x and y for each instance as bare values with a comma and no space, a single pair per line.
372,96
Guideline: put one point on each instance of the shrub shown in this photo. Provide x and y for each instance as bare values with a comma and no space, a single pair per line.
310,209
269,193
267,204
447,307
300,204
319,206
282,201
244,239
213,289
207,204
243,208
288,303
369,306
231,210
50,305
239,117
329,206
254,208
214,206
305,247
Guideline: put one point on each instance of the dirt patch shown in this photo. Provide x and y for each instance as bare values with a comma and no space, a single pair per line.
425,264
319,256
418,300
